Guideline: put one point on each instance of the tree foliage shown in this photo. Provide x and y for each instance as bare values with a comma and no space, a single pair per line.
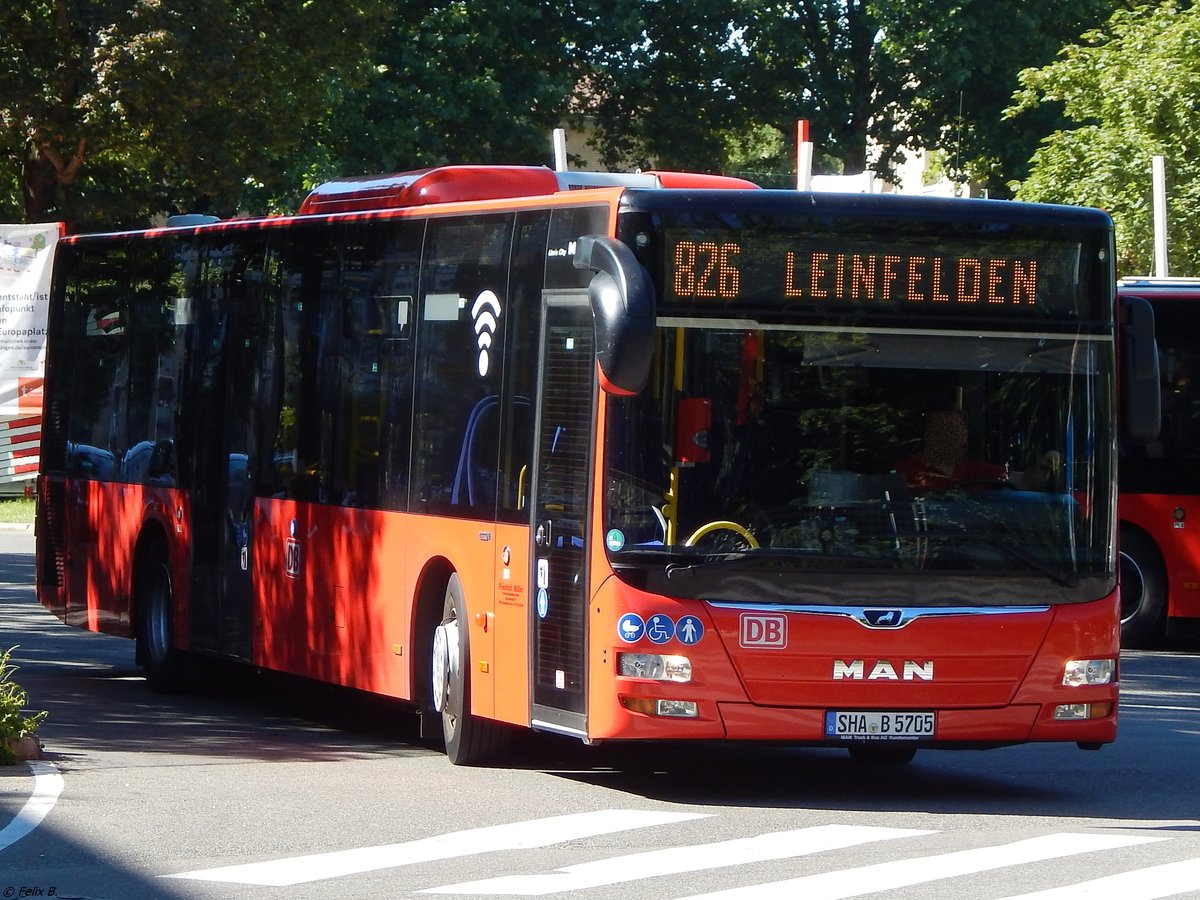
1130,89
116,109
962,59
666,81
162,103
872,77
484,81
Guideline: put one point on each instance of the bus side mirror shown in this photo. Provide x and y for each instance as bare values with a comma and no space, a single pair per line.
622,297
1141,397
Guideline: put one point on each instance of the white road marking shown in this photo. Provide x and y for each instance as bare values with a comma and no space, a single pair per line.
1150,883
681,860
513,836
47,785
908,872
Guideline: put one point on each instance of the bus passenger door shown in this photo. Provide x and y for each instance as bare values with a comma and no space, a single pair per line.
223,450
559,525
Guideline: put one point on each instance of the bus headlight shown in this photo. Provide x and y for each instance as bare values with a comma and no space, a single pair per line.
1080,672
654,666
1077,711
676,709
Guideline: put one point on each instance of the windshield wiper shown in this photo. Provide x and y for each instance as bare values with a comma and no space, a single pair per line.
763,562
1059,577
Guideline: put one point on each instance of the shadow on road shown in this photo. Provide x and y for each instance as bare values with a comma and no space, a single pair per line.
100,710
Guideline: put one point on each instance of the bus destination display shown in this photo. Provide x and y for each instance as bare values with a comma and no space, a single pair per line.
779,271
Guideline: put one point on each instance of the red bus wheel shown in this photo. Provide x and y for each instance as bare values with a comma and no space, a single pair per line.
160,660
1143,590
470,740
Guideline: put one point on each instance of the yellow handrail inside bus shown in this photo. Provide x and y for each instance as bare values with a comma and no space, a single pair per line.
721,525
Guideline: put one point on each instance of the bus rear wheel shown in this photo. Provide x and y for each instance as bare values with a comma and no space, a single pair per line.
1143,590
161,662
470,740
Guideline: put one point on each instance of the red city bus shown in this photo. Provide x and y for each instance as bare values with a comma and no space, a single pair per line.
617,457
1160,479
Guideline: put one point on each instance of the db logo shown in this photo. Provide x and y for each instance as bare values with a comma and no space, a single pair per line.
291,560
763,630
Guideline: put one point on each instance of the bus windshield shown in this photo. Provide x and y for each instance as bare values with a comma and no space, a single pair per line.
869,451
781,451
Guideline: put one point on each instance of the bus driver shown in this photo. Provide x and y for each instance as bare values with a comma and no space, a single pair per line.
943,463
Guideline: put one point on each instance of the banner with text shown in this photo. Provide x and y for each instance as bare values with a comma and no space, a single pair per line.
26,254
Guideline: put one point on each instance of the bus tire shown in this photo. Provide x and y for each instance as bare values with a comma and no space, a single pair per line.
161,661
1143,590
470,740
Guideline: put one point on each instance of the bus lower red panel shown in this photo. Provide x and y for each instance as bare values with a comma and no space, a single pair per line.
96,526
764,673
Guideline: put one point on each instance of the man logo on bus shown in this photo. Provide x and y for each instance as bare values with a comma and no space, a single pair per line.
883,670
884,618
486,314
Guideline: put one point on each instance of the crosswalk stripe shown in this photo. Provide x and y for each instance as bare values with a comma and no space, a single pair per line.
678,860
908,872
513,836
1150,883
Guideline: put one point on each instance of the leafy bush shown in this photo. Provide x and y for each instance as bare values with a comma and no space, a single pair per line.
14,723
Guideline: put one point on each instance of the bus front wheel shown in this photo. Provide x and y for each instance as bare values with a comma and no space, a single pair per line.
470,740
1143,590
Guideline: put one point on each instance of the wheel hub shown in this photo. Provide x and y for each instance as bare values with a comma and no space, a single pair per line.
445,666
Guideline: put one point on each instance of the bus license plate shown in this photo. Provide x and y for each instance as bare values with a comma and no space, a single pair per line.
891,725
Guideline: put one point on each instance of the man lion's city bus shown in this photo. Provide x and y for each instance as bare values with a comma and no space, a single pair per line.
614,457
1160,480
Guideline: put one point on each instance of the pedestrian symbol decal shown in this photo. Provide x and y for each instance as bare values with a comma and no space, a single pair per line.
689,630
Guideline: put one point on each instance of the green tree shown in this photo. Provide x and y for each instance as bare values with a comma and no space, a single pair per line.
485,81
684,85
112,110
1130,89
665,83
963,59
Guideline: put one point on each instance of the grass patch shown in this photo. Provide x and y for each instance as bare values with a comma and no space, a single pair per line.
16,510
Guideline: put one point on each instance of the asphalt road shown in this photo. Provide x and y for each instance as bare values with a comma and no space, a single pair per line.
259,786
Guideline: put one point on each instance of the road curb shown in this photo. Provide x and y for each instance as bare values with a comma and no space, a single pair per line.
47,785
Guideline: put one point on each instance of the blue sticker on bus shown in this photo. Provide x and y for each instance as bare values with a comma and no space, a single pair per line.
689,630
660,628
630,628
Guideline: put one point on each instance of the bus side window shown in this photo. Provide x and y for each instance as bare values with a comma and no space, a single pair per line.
377,287
525,285
292,372
462,316
99,312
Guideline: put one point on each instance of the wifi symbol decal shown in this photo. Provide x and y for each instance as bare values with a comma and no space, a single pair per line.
486,313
